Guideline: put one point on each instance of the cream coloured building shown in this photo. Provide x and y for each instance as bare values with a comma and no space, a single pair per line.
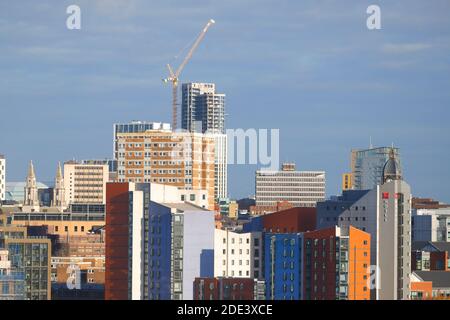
85,183
238,254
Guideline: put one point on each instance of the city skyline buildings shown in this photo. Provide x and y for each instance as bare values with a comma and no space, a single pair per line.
65,89
127,92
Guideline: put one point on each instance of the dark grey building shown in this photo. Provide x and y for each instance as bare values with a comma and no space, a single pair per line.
202,109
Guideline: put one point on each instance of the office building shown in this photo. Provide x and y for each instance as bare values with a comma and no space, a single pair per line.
111,163
300,188
63,224
29,256
202,109
431,224
85,183
283,256
2,178
184,160
12,283
135,127
336,264
367,166
235,289
238,254
142,270
385,213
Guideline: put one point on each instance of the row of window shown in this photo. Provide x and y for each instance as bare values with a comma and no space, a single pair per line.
66,228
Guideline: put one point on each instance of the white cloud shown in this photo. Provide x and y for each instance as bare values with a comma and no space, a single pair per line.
401,48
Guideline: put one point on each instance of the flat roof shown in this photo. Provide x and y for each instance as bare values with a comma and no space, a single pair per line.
440,279
183,206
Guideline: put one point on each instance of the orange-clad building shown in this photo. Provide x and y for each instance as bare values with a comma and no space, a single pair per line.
336,264
421,290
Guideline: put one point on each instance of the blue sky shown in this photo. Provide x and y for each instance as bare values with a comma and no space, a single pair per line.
310,68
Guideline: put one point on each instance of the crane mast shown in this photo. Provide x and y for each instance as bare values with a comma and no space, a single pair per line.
174,76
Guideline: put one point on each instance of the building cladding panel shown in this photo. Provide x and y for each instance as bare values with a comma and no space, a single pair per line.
301,188
117,247
283,266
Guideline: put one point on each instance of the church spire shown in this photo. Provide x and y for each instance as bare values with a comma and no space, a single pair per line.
59,191
59,175
31,191
31,173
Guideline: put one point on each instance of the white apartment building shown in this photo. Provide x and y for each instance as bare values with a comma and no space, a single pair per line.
238,254
85,183
301,188
2,177
143,194
220,166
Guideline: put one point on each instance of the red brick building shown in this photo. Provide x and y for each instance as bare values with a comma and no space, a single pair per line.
294,220
336,264
116,241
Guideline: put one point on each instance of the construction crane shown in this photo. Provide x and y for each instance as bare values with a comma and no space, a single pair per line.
174,76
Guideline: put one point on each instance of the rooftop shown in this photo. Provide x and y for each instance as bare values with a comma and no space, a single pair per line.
183,206
440,279
440,246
